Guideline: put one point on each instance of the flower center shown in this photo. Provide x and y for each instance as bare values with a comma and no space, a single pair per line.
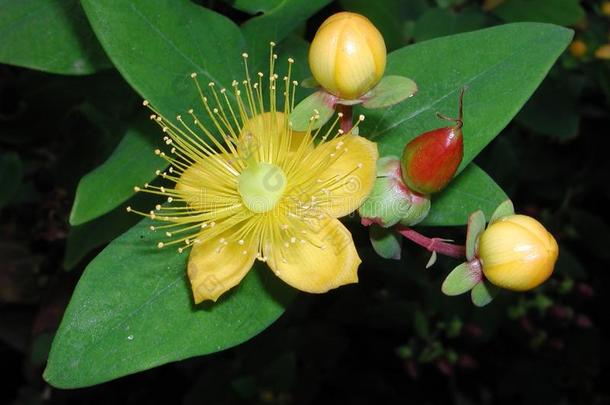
261,186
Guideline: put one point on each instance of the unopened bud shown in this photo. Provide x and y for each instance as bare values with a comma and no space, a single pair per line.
347,56
391,201
517,253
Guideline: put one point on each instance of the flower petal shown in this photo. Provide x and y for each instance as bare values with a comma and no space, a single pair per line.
209,182
260,129
325,259
217,265
352,175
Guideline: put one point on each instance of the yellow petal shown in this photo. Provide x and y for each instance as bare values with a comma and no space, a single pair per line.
358,70
325,259
211,181
261,128
217,265
323,54
351,176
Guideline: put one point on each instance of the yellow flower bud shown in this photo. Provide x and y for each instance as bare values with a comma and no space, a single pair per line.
605,8
347,56
517,253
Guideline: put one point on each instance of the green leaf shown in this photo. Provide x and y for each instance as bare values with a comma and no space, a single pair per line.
389,91
11,171
472,190
386,242
437,22
562,12
133,310
276,24
254,6
319,101
505,209
476,225
132,163
82,239
49,35
501,66
157,46
461,279
483,293
296,48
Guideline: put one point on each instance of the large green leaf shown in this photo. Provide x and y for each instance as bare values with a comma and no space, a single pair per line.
132,310
132,163
501,66
49,35
156,46
472,190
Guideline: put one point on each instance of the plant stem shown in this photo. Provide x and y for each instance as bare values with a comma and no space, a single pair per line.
347,119
433,244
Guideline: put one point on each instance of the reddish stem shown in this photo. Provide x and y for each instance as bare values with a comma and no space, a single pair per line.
433,244
347,119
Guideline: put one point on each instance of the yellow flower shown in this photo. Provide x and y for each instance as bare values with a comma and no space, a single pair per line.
517,253
264,192
347,55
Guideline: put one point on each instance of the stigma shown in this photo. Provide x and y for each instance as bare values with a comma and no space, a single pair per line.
261,186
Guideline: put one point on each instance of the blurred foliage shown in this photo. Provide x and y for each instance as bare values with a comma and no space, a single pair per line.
393,337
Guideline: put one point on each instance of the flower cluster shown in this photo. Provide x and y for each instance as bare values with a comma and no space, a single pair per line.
252,176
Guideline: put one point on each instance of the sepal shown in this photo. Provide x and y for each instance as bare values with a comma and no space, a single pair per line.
504,209
310,83
389,91
386,242
483,293
391,202
462,279
313,112
476,225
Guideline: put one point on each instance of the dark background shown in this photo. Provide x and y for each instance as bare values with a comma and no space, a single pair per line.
393,337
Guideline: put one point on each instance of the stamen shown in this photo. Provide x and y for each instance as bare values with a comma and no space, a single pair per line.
204,165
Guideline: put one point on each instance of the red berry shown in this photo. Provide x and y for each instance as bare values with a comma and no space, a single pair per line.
430,161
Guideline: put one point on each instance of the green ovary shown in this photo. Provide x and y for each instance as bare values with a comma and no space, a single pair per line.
261,185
